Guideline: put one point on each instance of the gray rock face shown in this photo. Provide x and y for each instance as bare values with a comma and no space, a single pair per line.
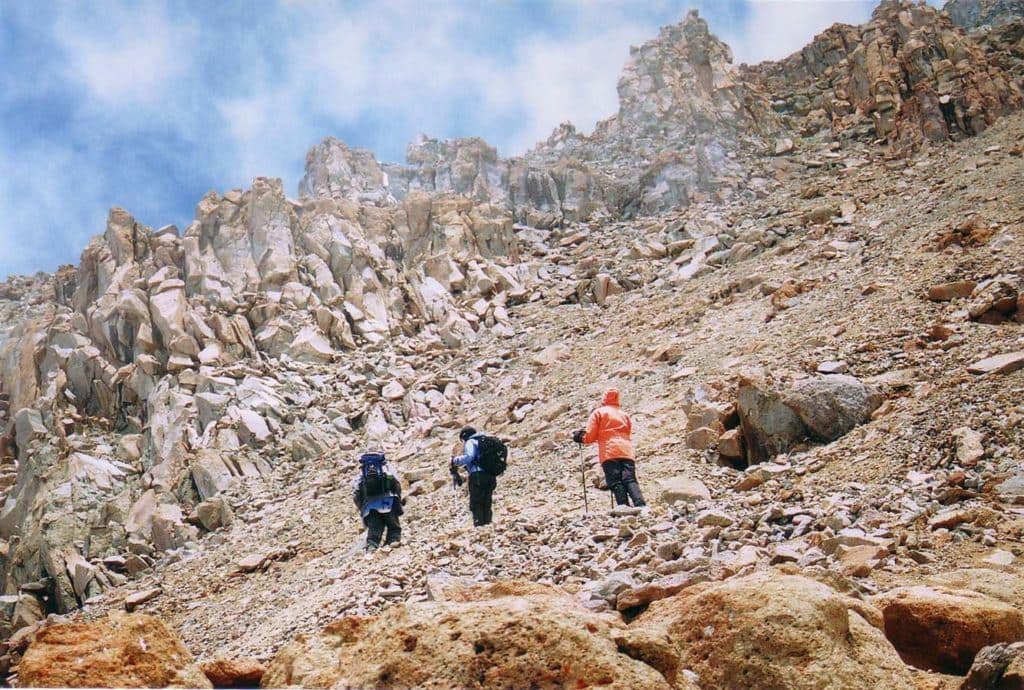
831,405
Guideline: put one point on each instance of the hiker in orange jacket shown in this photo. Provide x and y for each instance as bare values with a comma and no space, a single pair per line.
610,428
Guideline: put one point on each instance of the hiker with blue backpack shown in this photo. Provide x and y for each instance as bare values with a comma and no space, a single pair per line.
485,458
377,494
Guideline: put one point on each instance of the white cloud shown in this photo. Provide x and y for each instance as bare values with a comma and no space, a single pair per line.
778,28
133,56
51,203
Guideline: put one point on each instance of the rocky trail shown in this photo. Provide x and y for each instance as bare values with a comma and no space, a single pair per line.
805,277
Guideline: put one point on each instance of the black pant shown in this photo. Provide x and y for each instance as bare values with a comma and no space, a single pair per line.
481,489
621,478
375,524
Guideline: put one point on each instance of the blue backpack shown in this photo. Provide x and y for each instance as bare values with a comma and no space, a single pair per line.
375,479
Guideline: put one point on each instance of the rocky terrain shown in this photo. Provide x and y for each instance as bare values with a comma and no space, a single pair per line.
806,277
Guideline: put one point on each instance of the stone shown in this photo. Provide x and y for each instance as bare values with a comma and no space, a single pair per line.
1003,586
210,472
134,651
714,518
1011,490
682,490
550,355
252,428
28,425
136,599
945,292
969,448
997,667
642,595
310,345
859,561
998,364
776,630
941,630
393,390
730,444
702,438
999,559
215,513
833,367
757,475
233,672
251,562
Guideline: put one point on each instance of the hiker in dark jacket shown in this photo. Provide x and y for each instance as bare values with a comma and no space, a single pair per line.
481,482
378,497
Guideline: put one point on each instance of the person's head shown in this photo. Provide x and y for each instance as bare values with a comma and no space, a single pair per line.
466,433
611,397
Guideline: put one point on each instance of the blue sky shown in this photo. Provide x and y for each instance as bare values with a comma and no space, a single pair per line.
149,105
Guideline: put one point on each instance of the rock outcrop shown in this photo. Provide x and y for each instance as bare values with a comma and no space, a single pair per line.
129,651
772,630
909,74
537,640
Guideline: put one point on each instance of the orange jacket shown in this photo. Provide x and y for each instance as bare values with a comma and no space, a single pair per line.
610,428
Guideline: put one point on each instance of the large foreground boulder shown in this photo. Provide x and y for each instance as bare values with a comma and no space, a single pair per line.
535,641
773,630
123,651
940,629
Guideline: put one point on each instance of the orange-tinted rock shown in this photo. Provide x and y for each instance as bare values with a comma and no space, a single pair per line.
133,651
945,292
233,672
537,641
941,630
770,630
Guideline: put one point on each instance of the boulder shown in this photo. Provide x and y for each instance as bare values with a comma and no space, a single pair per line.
310,345
999,667
123,650
537,640
214,513
682,490
775,630
252,428
769,426
831,405
209,472
940,629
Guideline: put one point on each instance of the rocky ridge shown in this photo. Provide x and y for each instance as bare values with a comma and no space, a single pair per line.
181,406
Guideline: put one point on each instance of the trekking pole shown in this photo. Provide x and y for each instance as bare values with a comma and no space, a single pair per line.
583,477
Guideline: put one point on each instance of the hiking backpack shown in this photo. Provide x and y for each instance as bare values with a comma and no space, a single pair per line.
375,480
493,454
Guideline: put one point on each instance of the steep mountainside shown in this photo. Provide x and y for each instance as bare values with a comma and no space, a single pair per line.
806,277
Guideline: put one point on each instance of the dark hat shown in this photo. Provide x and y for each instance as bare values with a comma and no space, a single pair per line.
466,433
